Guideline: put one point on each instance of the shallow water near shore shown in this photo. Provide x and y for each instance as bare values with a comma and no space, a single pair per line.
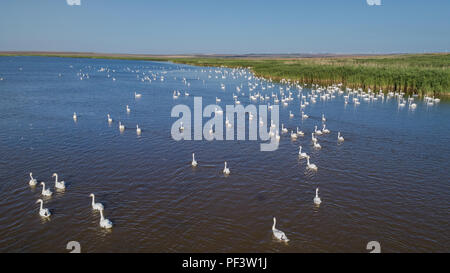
387,182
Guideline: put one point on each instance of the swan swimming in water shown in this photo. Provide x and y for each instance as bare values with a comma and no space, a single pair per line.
293,135
290,114
316,199
325,131
227,122
33,181
310,166
46,192
109,118
283,130
340,138
313,138
323,118
138,130
211,130
194,162
300,154
317,145
278,233
300,133
59,184
43,212
317,132
225,169
121,126
128,109
104,223
137,96
75,116
96,206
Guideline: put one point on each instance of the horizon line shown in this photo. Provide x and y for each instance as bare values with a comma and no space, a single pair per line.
298,55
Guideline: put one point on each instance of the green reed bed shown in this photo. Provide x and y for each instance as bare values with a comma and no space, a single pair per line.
427,74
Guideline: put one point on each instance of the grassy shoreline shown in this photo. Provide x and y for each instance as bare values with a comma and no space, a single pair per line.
423,74
412,74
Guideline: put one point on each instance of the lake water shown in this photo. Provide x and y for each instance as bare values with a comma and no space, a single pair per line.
387,182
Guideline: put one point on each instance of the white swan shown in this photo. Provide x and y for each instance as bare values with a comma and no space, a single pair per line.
128,109
33,181
313,138
46,192
138,130
225,169
304,116
325,131
290,114
75,116
109,118
227,122
96,206
293,135
211,130
310,166
194,162
59,184
277,136
340,138
283,130
300,133
218,112
43,212
317,132
300,154
317,145
121,126
104,223
136,95
323,118
316,199
278,233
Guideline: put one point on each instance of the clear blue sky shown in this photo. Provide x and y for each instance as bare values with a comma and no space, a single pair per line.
244,26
